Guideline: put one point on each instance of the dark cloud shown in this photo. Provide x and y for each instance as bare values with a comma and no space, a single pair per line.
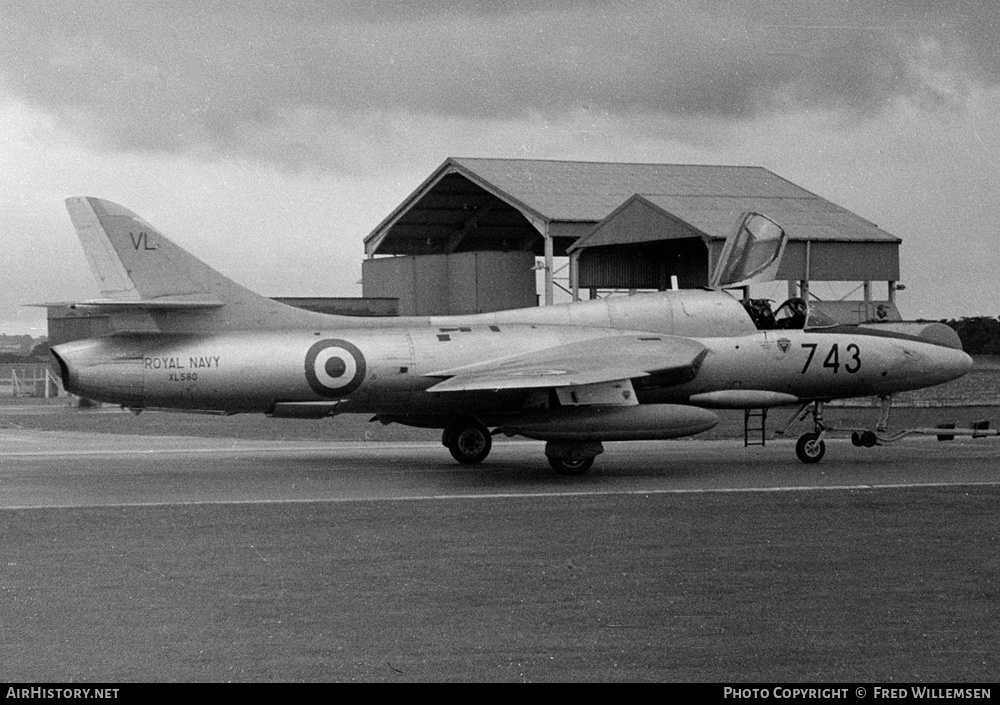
193,75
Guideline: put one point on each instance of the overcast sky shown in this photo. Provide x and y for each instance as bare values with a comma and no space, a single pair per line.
269,138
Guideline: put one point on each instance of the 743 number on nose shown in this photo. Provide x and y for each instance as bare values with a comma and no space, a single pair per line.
832,361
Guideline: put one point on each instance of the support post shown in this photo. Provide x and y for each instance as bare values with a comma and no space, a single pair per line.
804,284
549,265
574,274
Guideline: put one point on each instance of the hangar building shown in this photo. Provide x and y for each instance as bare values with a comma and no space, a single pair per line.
466,240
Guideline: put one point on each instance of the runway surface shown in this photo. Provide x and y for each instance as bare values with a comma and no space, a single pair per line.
176,558
54,469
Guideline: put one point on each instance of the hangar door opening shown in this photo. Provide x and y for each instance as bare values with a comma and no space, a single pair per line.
645,265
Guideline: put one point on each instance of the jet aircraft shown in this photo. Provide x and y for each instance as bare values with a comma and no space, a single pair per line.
646,367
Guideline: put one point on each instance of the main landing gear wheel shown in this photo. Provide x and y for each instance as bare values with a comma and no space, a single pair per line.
572,457
576,466
469,441
810,448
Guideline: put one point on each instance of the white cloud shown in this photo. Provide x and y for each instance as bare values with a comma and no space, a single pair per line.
220,80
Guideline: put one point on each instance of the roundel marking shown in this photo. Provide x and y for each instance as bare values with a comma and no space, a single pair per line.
334,368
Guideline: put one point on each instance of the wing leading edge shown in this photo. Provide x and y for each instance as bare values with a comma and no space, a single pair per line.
601,360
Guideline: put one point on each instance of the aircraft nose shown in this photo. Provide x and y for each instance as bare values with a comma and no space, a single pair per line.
945,364
920,364
959,364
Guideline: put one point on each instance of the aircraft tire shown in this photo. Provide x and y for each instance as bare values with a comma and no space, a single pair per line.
809,448
469,441
856,439
575,466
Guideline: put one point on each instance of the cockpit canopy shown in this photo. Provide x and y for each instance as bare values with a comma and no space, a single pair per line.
793,314
752,253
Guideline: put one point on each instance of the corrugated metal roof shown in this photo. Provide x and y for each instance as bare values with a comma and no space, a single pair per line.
591,190
485,199
803,218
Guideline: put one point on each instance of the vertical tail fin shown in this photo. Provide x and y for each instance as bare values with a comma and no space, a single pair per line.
132,261
138,268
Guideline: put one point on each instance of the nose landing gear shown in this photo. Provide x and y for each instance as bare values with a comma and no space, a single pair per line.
810,448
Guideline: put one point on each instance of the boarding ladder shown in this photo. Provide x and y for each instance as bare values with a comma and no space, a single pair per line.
755,424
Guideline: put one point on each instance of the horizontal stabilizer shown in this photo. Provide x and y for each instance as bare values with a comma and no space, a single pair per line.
161,304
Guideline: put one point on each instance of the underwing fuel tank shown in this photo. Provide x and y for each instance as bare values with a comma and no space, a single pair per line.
648,422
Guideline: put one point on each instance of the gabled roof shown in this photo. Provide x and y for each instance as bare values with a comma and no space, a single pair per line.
575,191
498,200
804,217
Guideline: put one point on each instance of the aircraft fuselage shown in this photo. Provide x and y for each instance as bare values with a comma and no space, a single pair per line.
384,371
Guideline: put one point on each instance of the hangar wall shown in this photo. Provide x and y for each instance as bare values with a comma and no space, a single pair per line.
457,283
840,261
621,225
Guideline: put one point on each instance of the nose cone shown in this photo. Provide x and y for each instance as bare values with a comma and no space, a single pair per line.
925,365
948,363
956,364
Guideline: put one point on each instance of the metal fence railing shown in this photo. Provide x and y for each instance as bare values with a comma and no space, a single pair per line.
29,381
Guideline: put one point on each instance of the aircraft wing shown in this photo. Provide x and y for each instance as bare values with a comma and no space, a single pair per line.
600,360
